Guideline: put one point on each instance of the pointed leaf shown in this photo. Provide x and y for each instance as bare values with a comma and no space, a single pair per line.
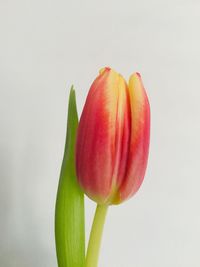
69,215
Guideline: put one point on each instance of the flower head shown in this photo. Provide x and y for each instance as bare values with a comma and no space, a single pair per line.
113,138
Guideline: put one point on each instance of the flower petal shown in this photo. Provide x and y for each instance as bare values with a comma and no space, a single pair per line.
96,157
139,140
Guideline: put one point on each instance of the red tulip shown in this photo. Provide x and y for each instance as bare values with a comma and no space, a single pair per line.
113,138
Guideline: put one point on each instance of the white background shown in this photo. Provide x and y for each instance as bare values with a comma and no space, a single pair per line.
45,46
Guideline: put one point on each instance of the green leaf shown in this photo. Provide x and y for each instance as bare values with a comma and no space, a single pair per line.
69,214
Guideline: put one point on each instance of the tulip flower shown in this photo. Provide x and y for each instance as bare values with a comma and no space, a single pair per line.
113,138
110,148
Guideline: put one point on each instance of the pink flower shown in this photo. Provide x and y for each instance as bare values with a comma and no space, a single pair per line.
113,138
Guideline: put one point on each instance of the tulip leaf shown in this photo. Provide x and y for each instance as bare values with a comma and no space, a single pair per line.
69,214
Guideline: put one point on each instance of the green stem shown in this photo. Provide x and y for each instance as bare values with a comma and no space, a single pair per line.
95,236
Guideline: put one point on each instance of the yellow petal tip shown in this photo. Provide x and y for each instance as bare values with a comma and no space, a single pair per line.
104,69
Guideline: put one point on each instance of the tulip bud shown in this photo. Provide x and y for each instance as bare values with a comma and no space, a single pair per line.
113,138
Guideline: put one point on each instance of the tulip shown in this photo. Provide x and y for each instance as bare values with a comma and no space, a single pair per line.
113,138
